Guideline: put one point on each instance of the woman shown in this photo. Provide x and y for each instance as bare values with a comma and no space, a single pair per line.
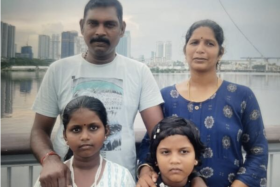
227,114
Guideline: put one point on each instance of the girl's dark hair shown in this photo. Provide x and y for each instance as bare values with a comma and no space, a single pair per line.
174,126
90,103
105,3
217,30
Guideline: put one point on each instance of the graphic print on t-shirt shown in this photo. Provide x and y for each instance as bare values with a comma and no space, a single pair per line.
110,92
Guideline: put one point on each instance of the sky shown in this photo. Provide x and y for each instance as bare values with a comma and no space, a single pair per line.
150,21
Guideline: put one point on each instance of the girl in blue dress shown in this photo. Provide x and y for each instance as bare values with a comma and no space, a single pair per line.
227,114
174,151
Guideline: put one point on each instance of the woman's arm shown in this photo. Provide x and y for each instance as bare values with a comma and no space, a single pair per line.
253,171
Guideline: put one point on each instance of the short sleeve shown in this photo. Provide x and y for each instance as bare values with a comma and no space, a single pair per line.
150,93
46,102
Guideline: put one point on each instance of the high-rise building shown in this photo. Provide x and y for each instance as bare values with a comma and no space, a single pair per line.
159,49
44,47
124,45
55,41
80,45
27,50
68,43
168,50
153,54
7,40
164,50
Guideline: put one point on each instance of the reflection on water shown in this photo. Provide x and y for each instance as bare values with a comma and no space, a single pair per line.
17,86
19,90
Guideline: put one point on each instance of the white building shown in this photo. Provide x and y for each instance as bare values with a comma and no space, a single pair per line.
55,46
80,45
44,47
163,51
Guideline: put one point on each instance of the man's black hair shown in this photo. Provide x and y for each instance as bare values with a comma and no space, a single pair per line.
104,4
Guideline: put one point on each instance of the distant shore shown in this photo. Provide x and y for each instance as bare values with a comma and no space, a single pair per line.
169,71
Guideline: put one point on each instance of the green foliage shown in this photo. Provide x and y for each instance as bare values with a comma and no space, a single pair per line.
6,63
259,67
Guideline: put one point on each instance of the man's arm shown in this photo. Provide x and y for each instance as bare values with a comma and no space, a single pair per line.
151,116
54,172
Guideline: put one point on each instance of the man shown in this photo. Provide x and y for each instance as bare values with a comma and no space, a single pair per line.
122,84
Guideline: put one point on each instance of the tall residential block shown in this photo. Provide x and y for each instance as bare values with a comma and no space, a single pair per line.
7,40
124,46
68,43
44,47
55,42
27,50
80,45
159,49
164,50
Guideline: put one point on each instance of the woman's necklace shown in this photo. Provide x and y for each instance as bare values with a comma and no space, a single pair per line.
97,174
189,88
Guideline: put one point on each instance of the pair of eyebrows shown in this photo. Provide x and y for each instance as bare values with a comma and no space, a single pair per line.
181,148
201,38
97,21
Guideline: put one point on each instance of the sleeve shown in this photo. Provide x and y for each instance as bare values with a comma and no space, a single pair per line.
253,171
150,94
46,102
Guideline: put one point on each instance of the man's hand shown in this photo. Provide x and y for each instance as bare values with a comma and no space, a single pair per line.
147,177
55,173
198,182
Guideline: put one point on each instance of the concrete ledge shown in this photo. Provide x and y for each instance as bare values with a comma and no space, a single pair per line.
19,143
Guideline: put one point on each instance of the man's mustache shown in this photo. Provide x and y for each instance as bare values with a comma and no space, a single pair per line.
100,40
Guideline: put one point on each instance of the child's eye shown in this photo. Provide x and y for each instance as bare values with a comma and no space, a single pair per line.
184,151
76,129
93,128
164,152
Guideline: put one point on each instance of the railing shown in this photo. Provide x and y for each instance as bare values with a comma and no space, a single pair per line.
27,168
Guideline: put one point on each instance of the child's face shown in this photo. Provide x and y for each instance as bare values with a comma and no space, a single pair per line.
175,159
85,133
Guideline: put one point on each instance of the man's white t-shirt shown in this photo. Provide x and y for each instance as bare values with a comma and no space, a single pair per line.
123,85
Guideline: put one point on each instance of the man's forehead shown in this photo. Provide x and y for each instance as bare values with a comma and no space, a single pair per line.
102,13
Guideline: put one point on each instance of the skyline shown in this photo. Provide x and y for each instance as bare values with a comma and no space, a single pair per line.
257,19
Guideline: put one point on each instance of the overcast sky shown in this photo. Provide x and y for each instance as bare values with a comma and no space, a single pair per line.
156,20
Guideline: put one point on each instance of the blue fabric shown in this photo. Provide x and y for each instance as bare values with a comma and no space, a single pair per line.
228,120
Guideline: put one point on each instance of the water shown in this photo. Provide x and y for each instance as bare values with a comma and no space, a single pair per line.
19,89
